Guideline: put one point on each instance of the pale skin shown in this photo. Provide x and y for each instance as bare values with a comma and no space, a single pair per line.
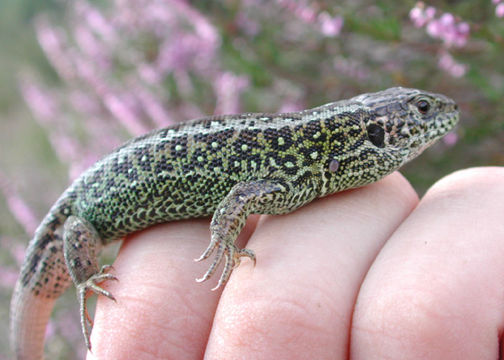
370,273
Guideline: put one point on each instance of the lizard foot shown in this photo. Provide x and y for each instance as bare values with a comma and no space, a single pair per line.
228,251
83,293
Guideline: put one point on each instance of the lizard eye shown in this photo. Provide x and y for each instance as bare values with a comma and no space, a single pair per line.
423,106
376,135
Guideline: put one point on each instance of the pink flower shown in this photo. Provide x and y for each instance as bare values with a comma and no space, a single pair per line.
42,103
90,45
122,57
446,29
95,20
306,14
416,15
448,63
447,20
153,107
419,16
125,114
18,208
149,73
430,12
450,139
54,43
434,29
351,68
499,10
228,89
8,277
330,26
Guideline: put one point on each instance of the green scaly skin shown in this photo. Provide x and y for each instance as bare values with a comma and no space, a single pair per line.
228,166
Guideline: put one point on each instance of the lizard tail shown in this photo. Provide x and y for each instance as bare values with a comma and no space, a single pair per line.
29,316
44,277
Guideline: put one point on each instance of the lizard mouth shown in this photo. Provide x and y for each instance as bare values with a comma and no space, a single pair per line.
439,129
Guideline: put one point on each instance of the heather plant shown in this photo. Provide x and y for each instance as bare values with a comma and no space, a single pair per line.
122,68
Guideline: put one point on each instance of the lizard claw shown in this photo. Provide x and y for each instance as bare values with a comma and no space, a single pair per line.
231,253
83,290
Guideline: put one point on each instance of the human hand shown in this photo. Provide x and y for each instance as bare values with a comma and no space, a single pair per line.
367,273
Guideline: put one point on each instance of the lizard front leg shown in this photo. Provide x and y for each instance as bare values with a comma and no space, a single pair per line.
229,218
81,245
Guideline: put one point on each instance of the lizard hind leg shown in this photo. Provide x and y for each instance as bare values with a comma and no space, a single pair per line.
81,245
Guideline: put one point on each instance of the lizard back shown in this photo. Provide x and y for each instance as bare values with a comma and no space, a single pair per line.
184,171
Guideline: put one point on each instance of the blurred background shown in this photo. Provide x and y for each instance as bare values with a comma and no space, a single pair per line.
78,78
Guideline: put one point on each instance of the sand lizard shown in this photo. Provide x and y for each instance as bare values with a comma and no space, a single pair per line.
229,166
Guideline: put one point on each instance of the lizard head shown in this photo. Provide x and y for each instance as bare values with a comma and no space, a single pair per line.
404,122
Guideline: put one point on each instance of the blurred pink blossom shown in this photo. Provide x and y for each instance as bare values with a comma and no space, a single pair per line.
43,105
450,139
84,102
330,26
351,68
15,247
91,46
153,107
448,63
96,21
149,74
18,208
178,54
310,13
8,277
110,83
446,28
47,111
89,73
499,10
421,16
53,42
123,112
102,134
453,33
187,40
304,11
228,89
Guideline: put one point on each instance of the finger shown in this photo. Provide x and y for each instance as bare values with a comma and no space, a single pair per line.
436,291
296,302
161,312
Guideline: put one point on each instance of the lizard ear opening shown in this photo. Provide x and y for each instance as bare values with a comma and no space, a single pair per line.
376,135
